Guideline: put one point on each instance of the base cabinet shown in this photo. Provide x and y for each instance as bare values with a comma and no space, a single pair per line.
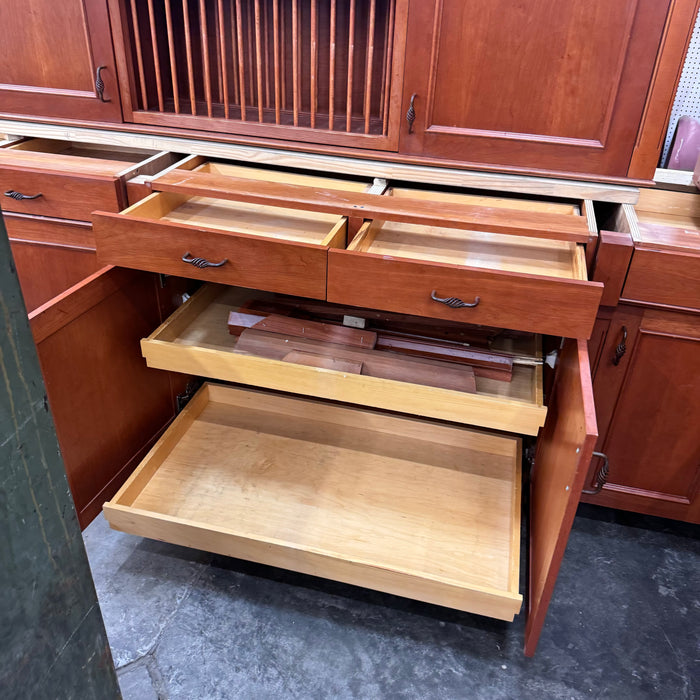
647,392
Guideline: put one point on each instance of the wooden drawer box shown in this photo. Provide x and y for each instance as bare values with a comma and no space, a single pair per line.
665,267
249,245
520,282
314,487
71,179
195,340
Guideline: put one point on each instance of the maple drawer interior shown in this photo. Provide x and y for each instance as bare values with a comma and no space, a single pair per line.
397,504
195,340
481,249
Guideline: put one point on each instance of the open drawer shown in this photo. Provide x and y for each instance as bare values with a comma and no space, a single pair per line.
525,282
196,340
212,238
67,179
400,505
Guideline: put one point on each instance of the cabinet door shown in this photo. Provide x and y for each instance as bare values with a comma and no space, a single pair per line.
540,84
50,53
564,449
649,410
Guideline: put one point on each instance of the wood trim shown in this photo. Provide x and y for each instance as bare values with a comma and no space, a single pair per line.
667,73
612,262
343,161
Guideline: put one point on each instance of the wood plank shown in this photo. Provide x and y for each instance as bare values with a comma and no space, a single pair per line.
362,464
313,330
156,58
612,262
380,207
324,361
374,364
564,451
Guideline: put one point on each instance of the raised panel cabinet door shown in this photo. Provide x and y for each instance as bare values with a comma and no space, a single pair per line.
50,53
652,439
546,85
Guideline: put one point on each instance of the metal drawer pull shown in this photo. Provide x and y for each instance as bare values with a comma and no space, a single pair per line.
18,195
454,302
201,262
411,114
601,477
621,349
100,84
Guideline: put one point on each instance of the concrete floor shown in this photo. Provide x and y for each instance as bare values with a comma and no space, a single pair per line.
624,623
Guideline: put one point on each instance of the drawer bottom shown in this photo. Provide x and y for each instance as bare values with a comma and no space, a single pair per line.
405,506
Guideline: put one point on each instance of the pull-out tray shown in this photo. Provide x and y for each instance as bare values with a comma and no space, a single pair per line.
400,505
195,340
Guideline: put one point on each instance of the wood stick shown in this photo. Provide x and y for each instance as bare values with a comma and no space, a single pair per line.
368,69
295,60
139,55
351,56
188,51
552,226
171,51
241,59
313,61
204,35
389,50
234,53
222,58
276,52
258,61
156,59
331,68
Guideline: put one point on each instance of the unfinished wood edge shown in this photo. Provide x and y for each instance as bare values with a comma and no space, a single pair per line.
148,167
526,184
128,493
337,236
589,213
539,391
626,221
155,205
579,263
364,238
514,564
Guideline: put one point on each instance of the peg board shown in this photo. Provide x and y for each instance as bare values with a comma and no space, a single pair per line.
687,101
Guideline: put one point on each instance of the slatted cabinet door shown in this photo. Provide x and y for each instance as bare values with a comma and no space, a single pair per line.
50,53
539,84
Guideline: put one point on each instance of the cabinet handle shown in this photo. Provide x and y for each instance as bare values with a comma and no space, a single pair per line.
18,195
601,477
201,262
621,349
454,302
411,114
100,84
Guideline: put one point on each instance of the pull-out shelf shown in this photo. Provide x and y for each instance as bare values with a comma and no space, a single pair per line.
397,504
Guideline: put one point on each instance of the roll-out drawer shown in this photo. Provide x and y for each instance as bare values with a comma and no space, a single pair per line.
521,282
64,179
196,340
410,507
221,240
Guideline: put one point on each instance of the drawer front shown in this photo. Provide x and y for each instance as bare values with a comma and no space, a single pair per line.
506,300
665,278
250,261
63,196
39,229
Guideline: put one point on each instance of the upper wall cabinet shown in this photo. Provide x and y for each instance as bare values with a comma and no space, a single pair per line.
324,71
538,84
57,61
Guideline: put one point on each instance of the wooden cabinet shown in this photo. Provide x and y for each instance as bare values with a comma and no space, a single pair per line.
648,401
51,53
540,84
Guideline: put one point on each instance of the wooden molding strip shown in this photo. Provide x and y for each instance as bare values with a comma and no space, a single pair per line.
379,207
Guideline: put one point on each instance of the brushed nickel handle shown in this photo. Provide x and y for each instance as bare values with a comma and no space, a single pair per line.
454,302
411,114
601,477
201,262
18,195
100,84
621,349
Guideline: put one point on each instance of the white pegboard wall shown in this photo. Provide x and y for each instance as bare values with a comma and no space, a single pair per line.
687,102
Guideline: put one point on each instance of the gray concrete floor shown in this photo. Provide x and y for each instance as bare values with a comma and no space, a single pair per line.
624,623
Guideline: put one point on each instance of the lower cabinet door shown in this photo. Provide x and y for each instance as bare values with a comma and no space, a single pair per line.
108,407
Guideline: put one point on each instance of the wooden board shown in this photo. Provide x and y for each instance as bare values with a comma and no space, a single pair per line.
403,506
370,206
195,340
564,449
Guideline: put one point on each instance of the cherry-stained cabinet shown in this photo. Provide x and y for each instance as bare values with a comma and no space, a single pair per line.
536,84
57,60
647,393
